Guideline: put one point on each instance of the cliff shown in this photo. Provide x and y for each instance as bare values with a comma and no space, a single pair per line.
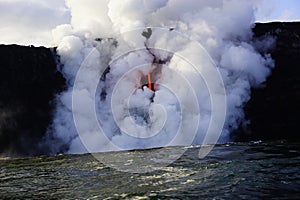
29,82
274,110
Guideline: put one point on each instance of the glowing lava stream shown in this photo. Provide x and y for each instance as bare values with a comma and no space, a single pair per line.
149,81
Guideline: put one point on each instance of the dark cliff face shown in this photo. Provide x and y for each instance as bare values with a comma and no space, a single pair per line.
274,110
28,84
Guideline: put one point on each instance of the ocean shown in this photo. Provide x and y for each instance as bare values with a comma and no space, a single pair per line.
254,170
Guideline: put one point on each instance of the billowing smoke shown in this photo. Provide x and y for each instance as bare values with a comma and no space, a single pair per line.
93,43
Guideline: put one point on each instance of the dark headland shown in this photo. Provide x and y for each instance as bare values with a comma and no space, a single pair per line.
274,110
29,81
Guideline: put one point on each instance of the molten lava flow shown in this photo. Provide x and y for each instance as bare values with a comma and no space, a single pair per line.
149,81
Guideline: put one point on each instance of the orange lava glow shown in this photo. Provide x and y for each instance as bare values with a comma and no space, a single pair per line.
149,81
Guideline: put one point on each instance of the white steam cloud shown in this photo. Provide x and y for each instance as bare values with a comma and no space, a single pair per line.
99,32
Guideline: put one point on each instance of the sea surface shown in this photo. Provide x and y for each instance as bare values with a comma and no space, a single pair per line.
254,170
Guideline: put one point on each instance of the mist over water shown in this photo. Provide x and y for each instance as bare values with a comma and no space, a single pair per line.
107,49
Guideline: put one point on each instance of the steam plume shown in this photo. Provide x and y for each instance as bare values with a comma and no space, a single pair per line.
222,27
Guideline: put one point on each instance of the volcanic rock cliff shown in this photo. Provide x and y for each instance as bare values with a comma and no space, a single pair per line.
274,110
29,82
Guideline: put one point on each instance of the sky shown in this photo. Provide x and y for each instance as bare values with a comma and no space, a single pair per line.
31,22
278,10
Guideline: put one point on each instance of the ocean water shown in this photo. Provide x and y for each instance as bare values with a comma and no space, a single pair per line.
255,170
